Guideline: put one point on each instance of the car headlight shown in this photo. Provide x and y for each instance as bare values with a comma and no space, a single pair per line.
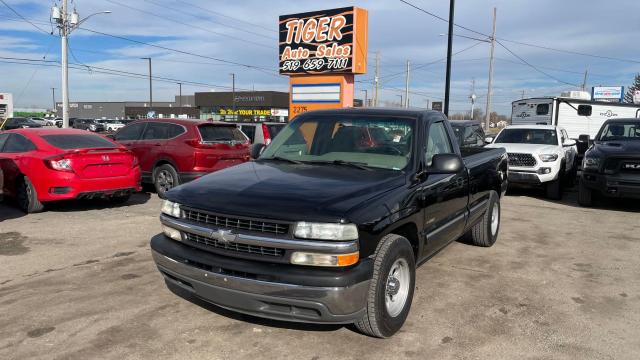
313,259
549,157
590,163
170,208
326,231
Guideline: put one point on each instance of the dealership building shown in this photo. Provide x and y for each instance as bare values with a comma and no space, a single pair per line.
182,107
243,106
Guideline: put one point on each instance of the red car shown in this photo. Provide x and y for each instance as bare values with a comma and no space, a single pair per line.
175,151
42,165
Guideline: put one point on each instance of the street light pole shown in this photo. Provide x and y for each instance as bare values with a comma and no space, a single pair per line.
487,116
53,96
447,86
180,94
150,84
233,95
364,104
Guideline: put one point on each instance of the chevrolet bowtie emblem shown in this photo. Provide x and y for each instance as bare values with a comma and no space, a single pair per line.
225,236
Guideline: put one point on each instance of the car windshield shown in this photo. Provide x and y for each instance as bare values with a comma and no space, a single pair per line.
73,141
375,142
620,131
527,136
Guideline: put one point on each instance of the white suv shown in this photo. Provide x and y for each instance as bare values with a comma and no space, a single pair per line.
539,155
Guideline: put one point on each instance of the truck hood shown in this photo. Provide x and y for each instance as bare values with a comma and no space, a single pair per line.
527,148
283,191
612,148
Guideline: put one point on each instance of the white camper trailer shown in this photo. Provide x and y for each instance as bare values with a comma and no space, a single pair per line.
576,114
6,106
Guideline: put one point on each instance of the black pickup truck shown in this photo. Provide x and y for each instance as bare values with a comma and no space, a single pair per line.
611,166
328,223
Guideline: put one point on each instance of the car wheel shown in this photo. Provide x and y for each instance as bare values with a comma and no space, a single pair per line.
554,188
165,178
27,197
391,288
485,232
585,195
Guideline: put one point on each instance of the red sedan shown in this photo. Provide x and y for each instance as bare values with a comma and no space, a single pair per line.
42,165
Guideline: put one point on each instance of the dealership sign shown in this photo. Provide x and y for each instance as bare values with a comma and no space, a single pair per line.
608,93
326,41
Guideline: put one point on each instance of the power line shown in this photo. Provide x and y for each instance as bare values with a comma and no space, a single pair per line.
187,24
25,19
533,66
442,19
225,16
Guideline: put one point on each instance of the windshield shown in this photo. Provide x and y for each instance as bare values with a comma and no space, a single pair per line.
377,142
527,136
620,131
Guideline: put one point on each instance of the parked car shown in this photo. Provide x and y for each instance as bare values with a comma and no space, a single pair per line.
539,155
19,123
39,120
261,133
52,121
468,133
325,227
611,166
175,151
43,165
87,124
1,184
112,125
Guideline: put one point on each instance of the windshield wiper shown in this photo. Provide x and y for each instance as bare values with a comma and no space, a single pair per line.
280,158
358,165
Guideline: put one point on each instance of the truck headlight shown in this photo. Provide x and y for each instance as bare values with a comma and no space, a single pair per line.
549,157
326,231
590,163
313,259
170,208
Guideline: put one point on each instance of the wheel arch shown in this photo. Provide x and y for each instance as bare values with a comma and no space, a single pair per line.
408,230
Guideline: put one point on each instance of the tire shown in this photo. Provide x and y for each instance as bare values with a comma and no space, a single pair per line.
554,188
27,197
585,195
120,199
385,314
165,178
485,232
572,176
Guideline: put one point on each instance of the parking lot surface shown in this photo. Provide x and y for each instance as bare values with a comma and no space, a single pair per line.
78,282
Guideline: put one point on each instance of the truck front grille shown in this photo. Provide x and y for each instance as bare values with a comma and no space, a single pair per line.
522,160
235,247
236,223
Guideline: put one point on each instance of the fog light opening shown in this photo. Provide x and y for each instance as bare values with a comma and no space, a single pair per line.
172,233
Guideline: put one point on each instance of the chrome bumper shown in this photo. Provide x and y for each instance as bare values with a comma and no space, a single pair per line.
278,301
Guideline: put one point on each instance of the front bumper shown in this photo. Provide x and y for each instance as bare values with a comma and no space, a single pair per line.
275,291
618,185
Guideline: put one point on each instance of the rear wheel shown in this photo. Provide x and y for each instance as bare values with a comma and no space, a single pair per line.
485,232
165,178
391,288
585,195
28,197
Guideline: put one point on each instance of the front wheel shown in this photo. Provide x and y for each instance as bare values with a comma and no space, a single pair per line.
554,188
391,289
585,195
165,178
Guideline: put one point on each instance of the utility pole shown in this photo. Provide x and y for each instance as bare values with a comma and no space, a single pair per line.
233,95
150,84
472,97
406,88
376,80
522,94
487,117
180,94
447,85
400,100
66,23
584,82
53,96
364,104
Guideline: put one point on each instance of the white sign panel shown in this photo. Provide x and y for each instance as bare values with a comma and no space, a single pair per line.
608,93
279,112
315,93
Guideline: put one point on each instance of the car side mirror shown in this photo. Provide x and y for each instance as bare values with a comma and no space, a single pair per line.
256,150
111,136
488,139
585,110
569,142
584,138
446,164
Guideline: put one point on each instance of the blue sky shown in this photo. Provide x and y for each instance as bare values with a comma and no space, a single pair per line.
245,32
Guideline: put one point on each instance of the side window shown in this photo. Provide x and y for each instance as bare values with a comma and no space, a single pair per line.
3,138
438,142
175,130
131,132
156,131
250,131
17,143
542,109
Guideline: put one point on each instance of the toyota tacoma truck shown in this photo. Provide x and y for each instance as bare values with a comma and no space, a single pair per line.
328,223
539,155
611,166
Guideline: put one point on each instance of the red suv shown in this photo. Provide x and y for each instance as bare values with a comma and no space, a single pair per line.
175,151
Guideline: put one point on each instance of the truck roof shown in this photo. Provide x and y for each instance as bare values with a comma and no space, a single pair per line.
389,111
532,126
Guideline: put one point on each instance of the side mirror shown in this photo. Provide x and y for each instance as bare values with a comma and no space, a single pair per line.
585,110
584,138
569,142
111,136
446,164
488,139
256,150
